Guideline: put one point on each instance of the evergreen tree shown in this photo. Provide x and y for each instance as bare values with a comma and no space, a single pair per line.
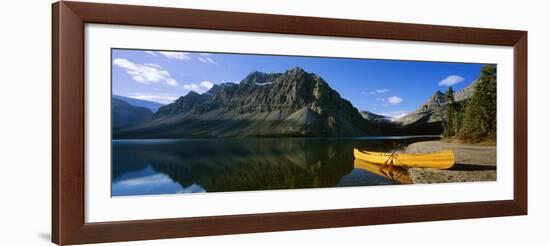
479,120
450,119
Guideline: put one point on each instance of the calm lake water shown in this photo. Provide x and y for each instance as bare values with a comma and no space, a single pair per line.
146,167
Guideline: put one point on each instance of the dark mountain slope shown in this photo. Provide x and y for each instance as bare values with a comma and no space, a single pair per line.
294,103
124,114
182,105
153,106
428,117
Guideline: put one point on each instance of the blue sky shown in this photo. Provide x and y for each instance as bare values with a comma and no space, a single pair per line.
388,87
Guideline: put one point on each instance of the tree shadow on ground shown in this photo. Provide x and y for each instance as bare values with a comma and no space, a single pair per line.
471,167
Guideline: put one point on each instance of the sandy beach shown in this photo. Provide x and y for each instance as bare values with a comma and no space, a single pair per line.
472,163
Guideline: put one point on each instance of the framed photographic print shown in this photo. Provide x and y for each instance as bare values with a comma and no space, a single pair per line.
175,122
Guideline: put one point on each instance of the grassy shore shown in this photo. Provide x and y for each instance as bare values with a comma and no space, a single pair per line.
473,163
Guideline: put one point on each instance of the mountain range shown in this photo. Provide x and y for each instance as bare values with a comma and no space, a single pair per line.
293,104
125,114
428,117
432,110
153,106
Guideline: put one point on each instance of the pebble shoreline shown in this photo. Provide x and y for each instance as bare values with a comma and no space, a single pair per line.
473,163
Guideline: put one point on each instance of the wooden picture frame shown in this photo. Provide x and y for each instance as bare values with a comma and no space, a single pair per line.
68,223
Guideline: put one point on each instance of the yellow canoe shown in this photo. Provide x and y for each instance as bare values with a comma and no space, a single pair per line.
439,160
398,174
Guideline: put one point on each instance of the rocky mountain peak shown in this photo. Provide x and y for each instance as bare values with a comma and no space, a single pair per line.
437,100
190,94
430,114
292,103
373,117
290,90
466,92
257,77
218,87
295,71
183,104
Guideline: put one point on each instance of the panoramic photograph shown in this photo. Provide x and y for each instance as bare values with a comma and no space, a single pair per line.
196,122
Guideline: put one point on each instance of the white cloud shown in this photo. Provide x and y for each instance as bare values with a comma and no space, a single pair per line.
151,53
172,82
184,56
379,91
398,116
175,55
205,58
123,63
164,99
380,99
145,73
451,80
230,82
207,84
200,87
394,115
395,100
152,65
193,87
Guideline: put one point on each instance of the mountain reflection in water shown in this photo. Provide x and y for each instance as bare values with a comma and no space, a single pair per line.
142,167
